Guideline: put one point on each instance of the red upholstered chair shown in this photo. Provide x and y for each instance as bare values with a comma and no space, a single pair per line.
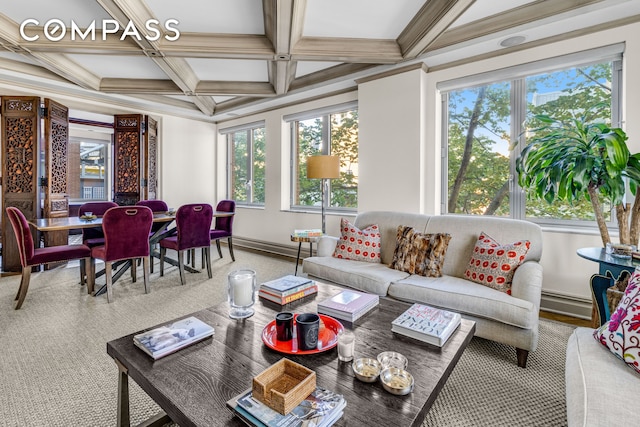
30,256
126,236
224,226
193,223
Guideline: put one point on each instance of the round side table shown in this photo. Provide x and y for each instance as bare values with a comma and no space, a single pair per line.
301,240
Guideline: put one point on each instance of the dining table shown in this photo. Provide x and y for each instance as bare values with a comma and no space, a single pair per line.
74,222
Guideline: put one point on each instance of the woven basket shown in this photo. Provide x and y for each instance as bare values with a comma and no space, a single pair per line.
284,385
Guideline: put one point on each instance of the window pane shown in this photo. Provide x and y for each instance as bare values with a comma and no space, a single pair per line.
89,181
344,144
239,175
478,150
308,192
563,95
258,165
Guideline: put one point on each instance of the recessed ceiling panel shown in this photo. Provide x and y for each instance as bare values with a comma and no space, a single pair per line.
358,18
83,12
307,67
229,69
17,57
212,16
129,67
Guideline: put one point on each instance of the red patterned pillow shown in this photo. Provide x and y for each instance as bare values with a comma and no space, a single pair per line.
621,334
493,264
356,244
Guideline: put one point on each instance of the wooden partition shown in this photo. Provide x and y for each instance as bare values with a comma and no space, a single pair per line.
127,159
150,160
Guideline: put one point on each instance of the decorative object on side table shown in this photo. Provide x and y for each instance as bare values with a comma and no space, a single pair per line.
241,293
621,251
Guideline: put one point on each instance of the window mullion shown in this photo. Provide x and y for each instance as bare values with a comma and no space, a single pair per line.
518,116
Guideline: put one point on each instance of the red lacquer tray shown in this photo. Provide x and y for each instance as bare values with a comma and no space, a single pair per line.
327,337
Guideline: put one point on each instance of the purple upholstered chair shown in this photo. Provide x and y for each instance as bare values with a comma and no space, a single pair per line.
224,226
126,236
193,223
94,236
30,256
155,206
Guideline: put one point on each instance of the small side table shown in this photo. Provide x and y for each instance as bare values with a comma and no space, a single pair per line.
301,240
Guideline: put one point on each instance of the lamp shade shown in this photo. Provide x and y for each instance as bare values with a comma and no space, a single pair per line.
323,167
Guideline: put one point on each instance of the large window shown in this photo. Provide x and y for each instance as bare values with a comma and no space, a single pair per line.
89,166
246,148
482,120
330,132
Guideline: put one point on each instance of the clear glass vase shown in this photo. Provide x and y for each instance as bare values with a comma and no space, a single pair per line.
241,290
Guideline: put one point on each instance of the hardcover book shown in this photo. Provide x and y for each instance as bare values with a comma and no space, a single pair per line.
167,339
321,408
289,297
428,324
348,305
313,232
286,283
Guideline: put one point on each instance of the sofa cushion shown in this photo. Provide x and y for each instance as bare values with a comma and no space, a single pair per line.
356,244
419,253
463,296
600,390
365,276
621,334
493,264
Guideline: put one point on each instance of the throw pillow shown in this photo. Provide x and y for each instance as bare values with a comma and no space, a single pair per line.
358,245
419,253
621,334
493,264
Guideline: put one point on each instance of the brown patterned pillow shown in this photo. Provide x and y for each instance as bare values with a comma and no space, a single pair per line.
419,253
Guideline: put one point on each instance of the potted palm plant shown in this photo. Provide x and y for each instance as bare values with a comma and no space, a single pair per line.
571,159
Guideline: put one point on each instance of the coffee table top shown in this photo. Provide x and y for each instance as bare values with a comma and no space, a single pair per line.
193,385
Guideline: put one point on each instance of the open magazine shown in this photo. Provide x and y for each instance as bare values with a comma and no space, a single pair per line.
169,338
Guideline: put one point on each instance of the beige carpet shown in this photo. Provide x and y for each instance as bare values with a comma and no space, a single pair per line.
56,372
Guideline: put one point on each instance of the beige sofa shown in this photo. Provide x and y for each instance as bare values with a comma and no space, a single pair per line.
601,389
508,319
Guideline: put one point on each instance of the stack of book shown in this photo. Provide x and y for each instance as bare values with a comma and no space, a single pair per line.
170,338
287,289
428,324
321,409
348,305
313,232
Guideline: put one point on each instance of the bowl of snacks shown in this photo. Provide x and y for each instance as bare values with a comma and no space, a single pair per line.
366,369
397,381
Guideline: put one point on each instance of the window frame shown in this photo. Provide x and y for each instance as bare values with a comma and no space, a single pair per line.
229,133
108,171
293,119
517,76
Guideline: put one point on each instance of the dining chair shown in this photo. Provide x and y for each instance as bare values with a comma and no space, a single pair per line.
31,256
155,206
126,237
93,236
193,223
224,226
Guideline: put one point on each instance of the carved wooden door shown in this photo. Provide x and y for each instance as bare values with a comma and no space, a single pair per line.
56,168
127,163
150,160
20,148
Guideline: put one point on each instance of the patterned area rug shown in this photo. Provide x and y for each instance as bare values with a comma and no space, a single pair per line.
56,372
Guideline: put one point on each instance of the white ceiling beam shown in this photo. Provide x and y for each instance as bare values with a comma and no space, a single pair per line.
70,70
429,23
378,51
279,20
254,89
127,86
523,15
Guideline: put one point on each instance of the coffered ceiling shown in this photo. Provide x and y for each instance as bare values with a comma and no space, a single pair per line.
216,59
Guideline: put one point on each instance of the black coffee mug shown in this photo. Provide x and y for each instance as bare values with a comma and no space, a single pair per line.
284,326
307,327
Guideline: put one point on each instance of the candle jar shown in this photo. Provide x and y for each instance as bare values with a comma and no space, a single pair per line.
241,291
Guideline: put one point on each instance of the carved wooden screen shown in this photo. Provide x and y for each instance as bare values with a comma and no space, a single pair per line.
150,181
127,136
56,168
20,140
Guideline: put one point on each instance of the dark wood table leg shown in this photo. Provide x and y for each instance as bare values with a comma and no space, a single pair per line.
298,258
123,395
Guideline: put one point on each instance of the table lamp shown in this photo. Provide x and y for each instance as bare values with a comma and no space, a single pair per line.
323,167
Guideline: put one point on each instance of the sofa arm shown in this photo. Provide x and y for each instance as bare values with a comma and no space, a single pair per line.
327,245
527,282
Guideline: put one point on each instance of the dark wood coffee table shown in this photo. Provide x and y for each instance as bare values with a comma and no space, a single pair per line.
193,385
